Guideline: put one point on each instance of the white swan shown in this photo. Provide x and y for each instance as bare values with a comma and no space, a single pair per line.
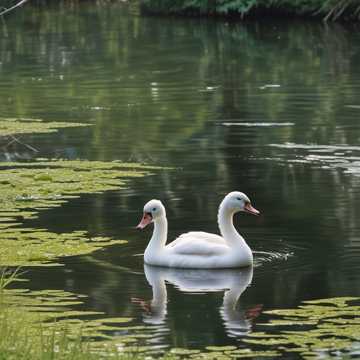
199,250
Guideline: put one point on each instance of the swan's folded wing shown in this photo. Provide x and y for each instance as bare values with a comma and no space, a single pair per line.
198,243
198,236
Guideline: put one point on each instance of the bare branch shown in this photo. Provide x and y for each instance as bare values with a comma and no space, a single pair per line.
21,2
14,139
17,140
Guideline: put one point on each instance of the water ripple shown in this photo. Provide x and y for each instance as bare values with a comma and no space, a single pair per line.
262,257
258,124
343,157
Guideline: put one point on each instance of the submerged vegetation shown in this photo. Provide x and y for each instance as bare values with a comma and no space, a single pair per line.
327,9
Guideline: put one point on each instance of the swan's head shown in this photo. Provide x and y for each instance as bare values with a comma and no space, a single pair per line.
237,201
153,210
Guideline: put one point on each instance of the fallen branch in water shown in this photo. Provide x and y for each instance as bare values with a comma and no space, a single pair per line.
16,140
5,11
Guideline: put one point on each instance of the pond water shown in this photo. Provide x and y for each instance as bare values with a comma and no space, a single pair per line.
268,108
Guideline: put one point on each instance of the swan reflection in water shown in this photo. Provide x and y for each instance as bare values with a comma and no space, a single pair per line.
232,282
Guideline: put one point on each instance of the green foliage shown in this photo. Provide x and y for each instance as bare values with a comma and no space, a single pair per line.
26,188
11,126
329,326
328,9
29,187
41,325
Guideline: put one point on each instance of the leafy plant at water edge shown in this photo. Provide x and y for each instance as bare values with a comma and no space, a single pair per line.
328,9
44,325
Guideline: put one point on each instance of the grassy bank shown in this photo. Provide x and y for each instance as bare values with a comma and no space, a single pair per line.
325,9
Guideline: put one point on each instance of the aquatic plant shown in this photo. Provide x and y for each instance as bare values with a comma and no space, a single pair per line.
328,9
12,126
27,188
330,327
46,325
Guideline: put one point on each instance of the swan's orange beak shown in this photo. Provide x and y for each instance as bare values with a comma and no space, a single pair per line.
146,220
251,210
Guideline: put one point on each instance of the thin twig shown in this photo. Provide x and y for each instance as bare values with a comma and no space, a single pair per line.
337,10
21,2
26,145
14,139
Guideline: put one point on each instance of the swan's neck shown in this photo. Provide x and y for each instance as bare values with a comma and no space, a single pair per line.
159,237
227,228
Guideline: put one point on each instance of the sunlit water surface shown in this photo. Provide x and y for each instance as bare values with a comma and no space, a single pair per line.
270,109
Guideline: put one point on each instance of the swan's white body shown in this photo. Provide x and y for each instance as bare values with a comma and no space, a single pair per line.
199,250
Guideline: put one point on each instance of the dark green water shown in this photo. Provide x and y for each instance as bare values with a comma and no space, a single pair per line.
270,109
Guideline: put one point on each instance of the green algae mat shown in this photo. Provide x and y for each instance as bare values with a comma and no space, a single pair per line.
321,328
50,322
12,126
324,328
39,321
29,187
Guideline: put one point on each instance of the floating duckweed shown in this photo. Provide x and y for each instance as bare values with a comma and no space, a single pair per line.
181,351
51,316
221,348
39,310
213,355
12,126
338,301
332,325
116,320
136,349
275,341
247,353
43,185
42,177
286,322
